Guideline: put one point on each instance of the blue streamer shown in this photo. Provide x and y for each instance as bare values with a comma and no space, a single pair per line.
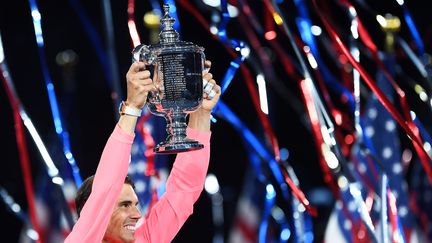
269,202
91,32
423,132
250,138
234,44
303,229
414,32
384,209
304,25
230,73
302,222
256,164
260,150
285,233
15,208
284,225
224,22
238,46
112,58
61,132
335,85
398,221
400,231
309,236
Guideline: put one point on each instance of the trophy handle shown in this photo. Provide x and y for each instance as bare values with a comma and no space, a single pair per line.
144,54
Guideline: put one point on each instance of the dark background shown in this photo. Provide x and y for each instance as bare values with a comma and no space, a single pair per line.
90,115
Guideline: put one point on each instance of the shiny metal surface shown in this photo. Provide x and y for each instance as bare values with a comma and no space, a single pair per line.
176,68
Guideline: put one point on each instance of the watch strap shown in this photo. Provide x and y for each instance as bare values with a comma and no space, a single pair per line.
124,109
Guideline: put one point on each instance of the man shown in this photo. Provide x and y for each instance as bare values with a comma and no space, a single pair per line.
110,213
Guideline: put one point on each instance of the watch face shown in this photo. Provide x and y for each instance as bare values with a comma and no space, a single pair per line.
122,108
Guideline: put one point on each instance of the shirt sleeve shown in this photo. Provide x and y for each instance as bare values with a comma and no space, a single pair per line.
184,185
106,188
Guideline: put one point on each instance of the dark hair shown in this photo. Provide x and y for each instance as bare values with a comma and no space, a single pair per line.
85,189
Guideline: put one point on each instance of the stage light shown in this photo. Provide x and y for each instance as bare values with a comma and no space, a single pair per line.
330,157
262,93
284,154
352,11
342,182
211,184
212,3
271,193
413,115
57,180
316,30
427,146
285,234
214,30
1,51
245,51
232,11
381,20
16,208
32,234
36,15
354,29
311,59
270,35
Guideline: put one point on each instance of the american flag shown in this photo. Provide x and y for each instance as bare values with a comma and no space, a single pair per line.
381,129
249,209
380,136
148,171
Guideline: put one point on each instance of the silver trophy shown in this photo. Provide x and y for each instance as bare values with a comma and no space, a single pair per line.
176,68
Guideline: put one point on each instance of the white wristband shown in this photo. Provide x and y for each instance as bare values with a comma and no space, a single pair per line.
124,109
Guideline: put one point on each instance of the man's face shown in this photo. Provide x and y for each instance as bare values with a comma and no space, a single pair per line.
121,227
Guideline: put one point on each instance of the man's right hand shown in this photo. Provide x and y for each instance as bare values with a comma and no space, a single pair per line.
139,84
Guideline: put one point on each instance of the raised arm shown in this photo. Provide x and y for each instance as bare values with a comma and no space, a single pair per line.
113,165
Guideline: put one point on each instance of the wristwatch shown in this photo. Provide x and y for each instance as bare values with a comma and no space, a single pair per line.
124,109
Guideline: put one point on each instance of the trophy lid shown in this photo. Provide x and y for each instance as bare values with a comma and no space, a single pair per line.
168,34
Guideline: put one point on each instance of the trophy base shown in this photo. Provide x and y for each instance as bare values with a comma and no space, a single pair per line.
173,148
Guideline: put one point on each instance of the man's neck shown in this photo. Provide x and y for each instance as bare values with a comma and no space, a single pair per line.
110,240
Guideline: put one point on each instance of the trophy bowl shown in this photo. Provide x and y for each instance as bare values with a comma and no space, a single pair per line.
176,68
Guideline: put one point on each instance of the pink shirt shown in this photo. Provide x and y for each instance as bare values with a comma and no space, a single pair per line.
166,217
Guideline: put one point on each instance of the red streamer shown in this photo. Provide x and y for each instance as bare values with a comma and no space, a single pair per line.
144,131
263,118
367,40
23,155
310,107
408,126
133,33
150,144
341,121
319,140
